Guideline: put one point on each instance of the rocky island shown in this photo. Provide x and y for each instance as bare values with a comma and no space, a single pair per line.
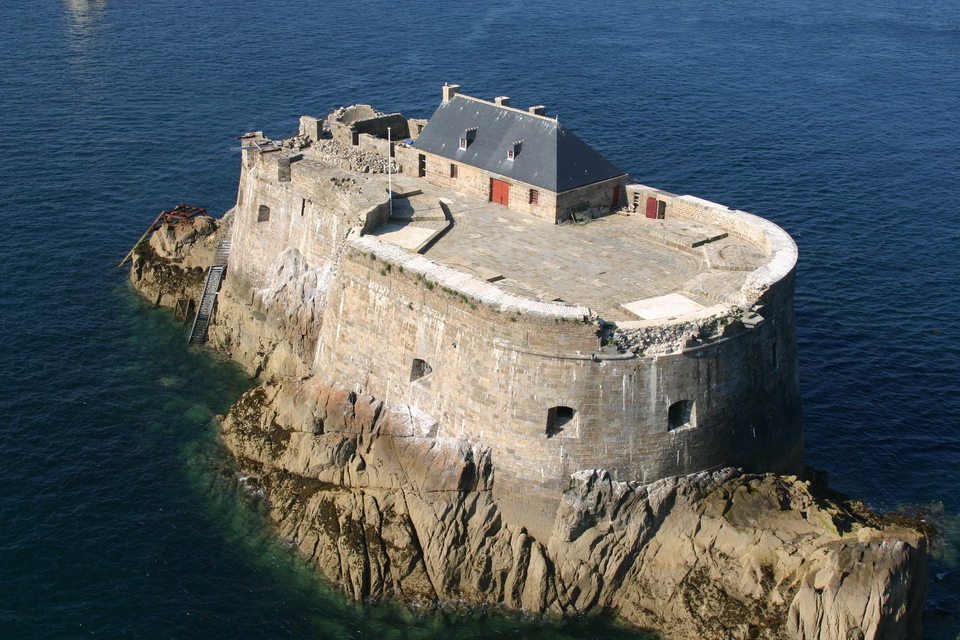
497,370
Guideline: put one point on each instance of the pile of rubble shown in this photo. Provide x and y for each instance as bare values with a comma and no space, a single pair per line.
350,158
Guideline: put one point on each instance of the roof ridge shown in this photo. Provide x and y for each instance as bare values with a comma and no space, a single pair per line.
523,111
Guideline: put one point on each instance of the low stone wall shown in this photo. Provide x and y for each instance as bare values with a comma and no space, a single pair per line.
470,286
780,248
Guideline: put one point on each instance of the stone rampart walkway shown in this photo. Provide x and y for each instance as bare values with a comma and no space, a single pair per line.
604,264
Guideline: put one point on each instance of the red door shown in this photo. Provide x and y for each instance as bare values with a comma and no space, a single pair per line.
616,197
652,208
499,191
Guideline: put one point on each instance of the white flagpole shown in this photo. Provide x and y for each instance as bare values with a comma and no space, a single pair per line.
390,169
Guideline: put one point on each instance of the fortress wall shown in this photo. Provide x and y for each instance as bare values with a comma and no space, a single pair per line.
312,213
738,223
500,362
496,375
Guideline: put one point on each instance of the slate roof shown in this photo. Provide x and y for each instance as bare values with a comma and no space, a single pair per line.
550,157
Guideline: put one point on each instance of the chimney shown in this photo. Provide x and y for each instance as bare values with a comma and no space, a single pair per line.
502,101
450,90
538,110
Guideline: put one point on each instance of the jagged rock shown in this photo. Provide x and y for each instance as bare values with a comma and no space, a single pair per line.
385,510
175,241
172,264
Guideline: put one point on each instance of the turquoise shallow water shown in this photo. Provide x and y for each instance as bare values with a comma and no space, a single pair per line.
837,120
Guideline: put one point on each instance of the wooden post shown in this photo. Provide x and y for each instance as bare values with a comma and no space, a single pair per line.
149,229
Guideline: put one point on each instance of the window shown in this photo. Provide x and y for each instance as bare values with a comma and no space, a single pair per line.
558,418
682,414
263,213
514,150
454,171
510,154
469,136
534,196
419,369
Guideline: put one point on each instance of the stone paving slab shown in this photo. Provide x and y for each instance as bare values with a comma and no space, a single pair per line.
416,208
670,305
730,254
407,236
684,234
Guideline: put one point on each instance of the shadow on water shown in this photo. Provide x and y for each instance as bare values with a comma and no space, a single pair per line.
190,386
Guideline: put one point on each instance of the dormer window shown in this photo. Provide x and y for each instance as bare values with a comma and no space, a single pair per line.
514,150
468,137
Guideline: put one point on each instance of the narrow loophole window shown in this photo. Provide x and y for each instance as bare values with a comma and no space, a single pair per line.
419,369
558,418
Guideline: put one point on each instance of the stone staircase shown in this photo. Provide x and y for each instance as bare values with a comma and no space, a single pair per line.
208,300
223,252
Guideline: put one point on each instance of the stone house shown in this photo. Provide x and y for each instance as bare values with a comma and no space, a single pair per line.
521,159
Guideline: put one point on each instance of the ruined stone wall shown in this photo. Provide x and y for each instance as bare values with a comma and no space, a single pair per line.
311,127
373,144
495,376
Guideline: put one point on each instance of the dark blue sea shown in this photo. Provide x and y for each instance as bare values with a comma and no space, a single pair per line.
839,120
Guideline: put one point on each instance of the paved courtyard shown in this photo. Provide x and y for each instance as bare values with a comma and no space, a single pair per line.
615,264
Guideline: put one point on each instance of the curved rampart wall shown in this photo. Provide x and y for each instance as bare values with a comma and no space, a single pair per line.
496,375
776,273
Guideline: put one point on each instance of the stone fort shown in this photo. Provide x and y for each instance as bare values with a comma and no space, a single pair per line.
499,278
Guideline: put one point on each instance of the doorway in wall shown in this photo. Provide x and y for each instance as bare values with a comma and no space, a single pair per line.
656,209
499,191
421,165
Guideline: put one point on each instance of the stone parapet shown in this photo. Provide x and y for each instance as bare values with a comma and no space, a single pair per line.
469,285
